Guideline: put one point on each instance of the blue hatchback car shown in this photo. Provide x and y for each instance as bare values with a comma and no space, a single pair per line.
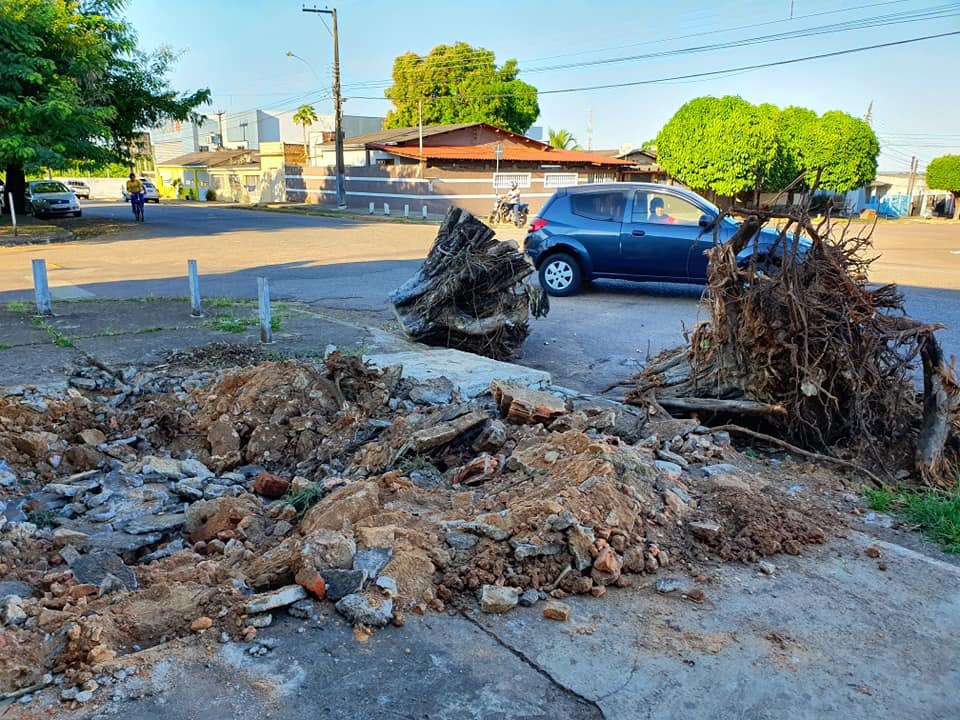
629,231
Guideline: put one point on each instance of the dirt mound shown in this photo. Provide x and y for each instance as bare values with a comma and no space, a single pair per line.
405,506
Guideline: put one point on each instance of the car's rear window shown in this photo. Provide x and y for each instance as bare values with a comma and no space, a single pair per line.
598,206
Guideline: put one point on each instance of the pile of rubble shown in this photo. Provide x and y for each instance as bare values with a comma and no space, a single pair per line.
205,501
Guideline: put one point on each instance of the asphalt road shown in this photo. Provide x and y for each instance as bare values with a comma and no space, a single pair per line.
348,267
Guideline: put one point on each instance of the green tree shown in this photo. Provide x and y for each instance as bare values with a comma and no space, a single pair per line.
457,84
562,140
75,87
943,173
843,148
305,115
725,145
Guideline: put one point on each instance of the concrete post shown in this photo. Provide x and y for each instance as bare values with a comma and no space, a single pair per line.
406,211
195,310
386,209
423,211
40,288
13,213
371,208
263,292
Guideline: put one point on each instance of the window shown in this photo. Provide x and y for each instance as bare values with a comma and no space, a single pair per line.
558,180
503,181
598,206
664,207
250,182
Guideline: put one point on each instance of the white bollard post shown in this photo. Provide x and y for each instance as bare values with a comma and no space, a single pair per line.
386,209
423,211
371,208
406,211
13,213
195,310
263,293
40,288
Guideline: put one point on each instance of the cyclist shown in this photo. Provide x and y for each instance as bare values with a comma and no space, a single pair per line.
135,192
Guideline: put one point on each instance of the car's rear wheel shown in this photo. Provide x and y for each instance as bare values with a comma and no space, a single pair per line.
560,275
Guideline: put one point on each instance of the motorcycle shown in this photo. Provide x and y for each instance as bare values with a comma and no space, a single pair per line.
503,212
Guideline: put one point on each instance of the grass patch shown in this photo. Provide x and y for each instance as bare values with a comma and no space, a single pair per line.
56,336
937,514
5,347
43,518
218,303
19,306
228,322
305,498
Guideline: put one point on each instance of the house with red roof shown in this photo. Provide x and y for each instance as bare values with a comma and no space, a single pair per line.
433,167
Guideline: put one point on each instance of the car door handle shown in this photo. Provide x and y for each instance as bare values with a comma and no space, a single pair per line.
638,233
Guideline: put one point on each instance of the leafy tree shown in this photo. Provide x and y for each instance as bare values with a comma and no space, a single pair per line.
75,87
562,140
943,173
456,84
725,145
843,148
305,115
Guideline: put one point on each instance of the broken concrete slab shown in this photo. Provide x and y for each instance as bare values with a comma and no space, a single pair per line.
470,374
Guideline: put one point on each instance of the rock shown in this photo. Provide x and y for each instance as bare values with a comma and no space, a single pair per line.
372,561
491,438
671,470
719,469
436,391
165,467
633,559
388,585
65,536
581,539
874,518
368,537
347,504
562,521
478,528
522,551
223,438
207,519
15,587
529,597
556,610
495,599
156,524
672,457
263,620
668,585
274,599
706,530
11,611
97,567
84,696
325,549
302,609
340,583
607,561
367,609
101,654
194,468
461,541
695,595
270,485
92,436
7,477
767,568
872,552
201,623
312,581
190,489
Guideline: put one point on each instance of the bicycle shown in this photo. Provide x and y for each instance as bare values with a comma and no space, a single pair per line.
136,199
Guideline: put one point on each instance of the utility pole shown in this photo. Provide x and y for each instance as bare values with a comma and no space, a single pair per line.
911,182
869,116
589,128
337,108
220,114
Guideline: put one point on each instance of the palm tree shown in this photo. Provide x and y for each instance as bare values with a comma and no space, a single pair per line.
563,140
305,115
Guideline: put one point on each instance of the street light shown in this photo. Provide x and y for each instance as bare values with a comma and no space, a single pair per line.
294,55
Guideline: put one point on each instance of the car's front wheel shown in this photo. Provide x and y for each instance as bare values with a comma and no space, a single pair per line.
560,275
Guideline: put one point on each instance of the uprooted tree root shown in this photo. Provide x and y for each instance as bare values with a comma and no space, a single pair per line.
806,344
469,294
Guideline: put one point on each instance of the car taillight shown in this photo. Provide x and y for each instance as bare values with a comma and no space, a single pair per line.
537,224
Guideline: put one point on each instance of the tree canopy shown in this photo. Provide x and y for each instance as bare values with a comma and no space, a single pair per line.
943,173
456,84
729,146
562,139
75,86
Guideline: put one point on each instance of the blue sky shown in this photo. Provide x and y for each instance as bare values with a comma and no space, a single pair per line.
238,49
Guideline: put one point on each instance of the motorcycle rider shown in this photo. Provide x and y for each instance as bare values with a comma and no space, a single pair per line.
512,201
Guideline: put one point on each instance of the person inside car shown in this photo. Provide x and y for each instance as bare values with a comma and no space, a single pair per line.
657,212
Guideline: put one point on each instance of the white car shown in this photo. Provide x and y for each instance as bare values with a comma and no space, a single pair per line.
150,193
80,188
51,197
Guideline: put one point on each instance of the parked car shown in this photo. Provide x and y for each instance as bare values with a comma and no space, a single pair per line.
51,197
629,231
150,192
80,188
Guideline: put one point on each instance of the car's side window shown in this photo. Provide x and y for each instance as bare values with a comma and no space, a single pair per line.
598,206
664,207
